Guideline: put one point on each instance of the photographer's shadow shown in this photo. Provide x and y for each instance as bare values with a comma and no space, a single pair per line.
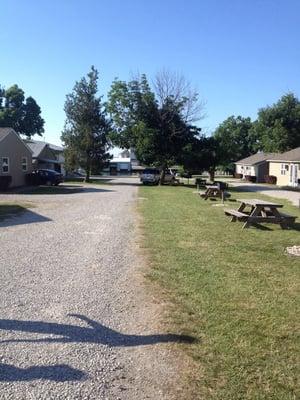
57,373
94,333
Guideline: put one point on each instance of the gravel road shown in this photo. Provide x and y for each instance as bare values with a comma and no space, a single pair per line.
76,319
293,197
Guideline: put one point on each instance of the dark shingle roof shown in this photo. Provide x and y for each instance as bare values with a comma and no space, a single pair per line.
291,155
256,158
38,145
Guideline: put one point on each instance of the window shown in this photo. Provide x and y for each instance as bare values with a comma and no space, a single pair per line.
5,165
24,164
284,169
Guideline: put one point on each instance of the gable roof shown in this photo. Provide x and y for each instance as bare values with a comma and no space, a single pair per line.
6,131
256,158
291,155
36,148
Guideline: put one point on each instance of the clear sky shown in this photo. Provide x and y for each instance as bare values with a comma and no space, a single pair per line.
240,54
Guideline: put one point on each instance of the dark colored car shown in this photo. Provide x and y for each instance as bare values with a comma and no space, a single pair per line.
49,177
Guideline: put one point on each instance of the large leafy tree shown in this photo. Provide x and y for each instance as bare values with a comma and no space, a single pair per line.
87,127
235,140
157,128
278,126
23,115
203,154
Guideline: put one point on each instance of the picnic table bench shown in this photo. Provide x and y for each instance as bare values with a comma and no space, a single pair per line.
260,211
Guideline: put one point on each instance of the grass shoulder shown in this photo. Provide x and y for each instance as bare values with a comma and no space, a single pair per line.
234,290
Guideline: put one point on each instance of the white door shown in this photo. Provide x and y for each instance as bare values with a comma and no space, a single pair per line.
293,175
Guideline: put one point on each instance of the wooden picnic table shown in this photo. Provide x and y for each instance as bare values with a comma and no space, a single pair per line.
212,191
260,211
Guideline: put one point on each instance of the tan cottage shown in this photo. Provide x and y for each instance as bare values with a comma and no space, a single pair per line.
15,157
255,166
286,168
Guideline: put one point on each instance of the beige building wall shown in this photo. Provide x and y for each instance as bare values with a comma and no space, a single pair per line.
13,148
275,169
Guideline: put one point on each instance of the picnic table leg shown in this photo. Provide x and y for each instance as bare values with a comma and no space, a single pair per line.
257,211
207,194
283,224
240,209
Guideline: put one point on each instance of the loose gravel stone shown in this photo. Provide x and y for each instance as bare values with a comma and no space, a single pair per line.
76,321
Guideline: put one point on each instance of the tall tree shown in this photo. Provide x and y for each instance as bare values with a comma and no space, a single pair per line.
87,127
235,139
203,154
156,128
278,126
24,116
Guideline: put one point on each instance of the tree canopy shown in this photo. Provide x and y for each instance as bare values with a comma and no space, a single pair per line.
87,126
235,140
23,115
277,128
156,128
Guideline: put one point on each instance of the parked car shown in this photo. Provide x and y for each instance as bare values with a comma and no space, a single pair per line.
152,175
48,177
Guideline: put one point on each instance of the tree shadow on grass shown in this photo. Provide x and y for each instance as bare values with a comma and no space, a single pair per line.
58,373
94,333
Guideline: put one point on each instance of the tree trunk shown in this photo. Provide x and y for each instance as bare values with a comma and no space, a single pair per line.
211,172
162,174
87,171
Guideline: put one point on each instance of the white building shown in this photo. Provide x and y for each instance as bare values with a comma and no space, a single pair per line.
124,163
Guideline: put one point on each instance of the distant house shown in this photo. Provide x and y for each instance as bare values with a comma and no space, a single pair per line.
46,155
256,165
15,157
125,163
286,167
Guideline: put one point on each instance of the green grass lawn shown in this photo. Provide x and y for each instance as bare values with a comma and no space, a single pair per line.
9,209
234,290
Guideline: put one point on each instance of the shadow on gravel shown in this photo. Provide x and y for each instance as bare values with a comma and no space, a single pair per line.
58,373
63,189
95,333
22,217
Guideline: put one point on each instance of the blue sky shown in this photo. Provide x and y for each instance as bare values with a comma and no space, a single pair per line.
240,54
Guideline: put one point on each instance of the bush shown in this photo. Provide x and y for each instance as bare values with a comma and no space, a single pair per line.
250,178
5,181
271,179
238,176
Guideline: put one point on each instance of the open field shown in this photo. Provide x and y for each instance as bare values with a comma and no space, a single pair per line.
235,290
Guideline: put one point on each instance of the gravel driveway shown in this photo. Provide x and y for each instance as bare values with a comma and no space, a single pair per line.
293,197
76,319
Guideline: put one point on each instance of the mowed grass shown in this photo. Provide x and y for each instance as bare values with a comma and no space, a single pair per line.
234,290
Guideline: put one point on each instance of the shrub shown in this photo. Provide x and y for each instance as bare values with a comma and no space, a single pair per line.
250,178
271,179
5,181
238,176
